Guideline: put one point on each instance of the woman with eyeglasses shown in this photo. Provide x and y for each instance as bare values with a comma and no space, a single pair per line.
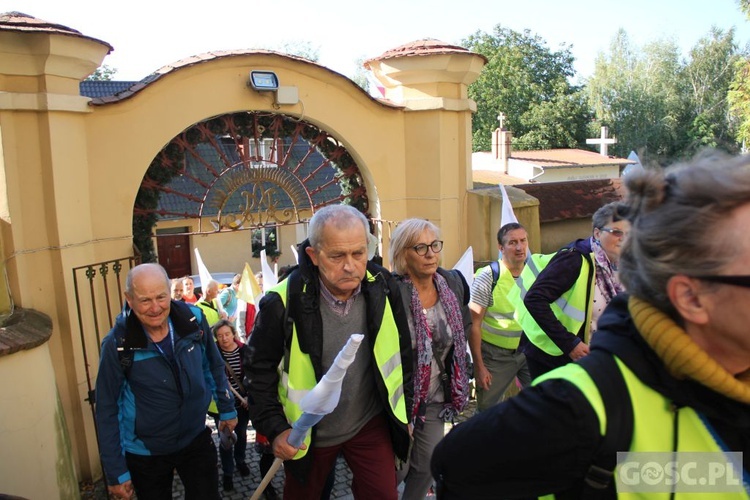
436,301
568,296
668,376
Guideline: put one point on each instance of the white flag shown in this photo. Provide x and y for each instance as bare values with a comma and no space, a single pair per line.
202,271
294,252
466,265
269,277
506,215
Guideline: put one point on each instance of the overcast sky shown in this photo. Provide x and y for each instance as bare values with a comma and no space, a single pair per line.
147,35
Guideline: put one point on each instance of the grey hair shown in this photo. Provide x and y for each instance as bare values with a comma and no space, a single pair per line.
142,268
606,214
678,223
341,216
404,237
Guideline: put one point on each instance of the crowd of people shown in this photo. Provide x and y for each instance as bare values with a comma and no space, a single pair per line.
631,339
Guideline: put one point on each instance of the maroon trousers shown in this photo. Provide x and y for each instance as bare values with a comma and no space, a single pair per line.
370,457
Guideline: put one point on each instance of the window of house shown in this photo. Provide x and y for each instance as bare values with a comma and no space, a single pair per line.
271,238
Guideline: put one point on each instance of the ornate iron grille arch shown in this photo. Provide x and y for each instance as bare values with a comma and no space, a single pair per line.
242,171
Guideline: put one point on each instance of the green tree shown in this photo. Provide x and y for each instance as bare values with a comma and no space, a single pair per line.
660,104
739,91
527,82
631,92
709,74
102,73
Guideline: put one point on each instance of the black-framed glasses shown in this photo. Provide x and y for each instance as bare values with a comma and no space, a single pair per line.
736,280
619,233
435,246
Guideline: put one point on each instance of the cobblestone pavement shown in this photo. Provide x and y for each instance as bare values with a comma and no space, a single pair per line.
244,487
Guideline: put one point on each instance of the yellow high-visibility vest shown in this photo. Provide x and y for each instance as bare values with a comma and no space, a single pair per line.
571,308
499,326
295,383
653,426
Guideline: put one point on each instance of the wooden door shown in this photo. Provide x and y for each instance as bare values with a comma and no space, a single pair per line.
174,254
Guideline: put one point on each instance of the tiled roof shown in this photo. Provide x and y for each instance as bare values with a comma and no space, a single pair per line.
18,21
550,158
103,88
426,46
557,200
573,199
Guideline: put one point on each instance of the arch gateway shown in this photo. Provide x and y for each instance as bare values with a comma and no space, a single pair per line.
72,169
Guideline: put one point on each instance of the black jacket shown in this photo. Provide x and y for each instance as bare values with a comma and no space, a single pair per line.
269,336
544,439
557,278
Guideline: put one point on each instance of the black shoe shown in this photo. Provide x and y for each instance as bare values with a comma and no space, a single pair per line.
228,485
244,469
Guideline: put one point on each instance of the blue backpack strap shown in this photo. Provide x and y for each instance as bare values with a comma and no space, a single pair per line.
495,267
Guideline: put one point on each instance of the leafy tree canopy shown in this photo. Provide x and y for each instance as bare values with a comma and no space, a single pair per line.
528,82
102,73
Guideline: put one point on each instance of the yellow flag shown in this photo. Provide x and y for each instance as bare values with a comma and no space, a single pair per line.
249,287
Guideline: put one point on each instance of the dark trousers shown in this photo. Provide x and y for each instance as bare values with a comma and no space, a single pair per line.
153,475
370,457
238,453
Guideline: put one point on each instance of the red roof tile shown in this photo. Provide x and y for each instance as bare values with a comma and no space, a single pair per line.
426,46
18,21
574,199
550,158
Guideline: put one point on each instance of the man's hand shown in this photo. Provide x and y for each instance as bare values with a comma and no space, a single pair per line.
228,423
483,377
281,447
579,351
122,491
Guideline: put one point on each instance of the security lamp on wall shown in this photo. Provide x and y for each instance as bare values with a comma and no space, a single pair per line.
264,81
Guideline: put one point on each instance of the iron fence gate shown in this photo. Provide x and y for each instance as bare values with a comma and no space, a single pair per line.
99,297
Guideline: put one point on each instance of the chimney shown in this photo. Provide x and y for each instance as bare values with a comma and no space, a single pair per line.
504,144
501,139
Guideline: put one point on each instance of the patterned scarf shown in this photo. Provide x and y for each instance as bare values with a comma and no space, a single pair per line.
459,396
606,278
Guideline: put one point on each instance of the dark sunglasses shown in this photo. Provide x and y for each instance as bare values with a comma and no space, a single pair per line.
435,246
736,280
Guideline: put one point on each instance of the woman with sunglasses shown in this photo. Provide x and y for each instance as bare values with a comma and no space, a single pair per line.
583,275
675,389
436,301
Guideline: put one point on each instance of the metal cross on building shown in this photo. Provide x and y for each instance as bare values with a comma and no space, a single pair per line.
603,141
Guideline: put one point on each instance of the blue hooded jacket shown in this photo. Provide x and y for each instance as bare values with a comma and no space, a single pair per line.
143,405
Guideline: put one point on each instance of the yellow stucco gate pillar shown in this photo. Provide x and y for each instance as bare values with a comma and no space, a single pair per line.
430,79
44,213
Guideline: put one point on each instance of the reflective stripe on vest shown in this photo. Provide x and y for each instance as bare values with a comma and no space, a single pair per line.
499,326
570,308
653,427
300,378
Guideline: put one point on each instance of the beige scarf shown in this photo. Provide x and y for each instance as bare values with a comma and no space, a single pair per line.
682,356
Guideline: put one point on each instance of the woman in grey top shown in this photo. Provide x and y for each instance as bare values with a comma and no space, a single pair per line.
436,301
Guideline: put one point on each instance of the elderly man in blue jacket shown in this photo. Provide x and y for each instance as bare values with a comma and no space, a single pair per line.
158,371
